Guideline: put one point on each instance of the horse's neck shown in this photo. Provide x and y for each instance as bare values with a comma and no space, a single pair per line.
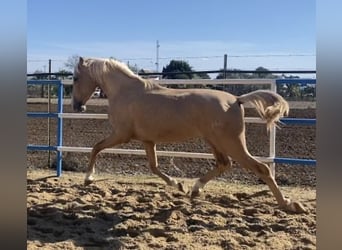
119,83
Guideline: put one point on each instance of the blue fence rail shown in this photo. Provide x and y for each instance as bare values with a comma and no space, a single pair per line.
286,121
296,121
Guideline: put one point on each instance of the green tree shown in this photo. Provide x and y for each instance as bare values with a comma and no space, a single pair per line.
292,90
234,89
177,66
202,75
240,89
262,74
233,75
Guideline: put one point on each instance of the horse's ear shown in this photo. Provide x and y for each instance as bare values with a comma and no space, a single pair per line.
81,60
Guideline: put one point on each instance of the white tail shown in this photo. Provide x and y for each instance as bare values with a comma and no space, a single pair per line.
270,106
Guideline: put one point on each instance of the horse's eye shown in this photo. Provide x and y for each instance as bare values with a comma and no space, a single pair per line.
75,78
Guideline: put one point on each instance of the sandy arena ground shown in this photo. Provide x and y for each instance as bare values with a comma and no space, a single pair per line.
128,208
120,212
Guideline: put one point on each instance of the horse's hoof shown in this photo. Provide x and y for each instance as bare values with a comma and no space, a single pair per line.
295,207
298,207
194,194
88,182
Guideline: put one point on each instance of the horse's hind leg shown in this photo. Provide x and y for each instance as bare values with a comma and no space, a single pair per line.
223,163
150,148
110,141
264,172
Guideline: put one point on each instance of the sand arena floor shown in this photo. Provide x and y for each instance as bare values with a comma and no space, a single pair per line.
131,209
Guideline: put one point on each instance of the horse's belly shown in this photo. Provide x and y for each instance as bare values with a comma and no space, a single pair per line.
166,134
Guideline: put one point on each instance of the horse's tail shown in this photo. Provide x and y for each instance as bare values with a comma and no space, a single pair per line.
270,106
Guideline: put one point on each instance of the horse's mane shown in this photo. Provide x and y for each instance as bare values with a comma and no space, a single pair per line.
114,64
99,66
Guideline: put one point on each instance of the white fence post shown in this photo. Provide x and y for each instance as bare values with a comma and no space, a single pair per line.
273,136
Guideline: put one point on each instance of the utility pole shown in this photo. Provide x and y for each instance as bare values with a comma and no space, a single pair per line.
224,69
157,56
42,86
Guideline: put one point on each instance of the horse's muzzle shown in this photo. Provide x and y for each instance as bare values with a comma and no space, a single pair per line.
78,106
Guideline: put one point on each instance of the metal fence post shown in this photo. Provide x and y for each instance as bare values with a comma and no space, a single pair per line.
60,128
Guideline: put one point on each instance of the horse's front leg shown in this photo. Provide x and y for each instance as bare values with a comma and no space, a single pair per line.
110,141
150,148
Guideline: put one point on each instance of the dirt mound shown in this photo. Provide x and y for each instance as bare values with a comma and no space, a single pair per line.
143,213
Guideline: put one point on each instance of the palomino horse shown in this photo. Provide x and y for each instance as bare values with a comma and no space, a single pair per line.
148,112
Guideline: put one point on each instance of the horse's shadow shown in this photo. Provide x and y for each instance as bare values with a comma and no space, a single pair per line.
47,223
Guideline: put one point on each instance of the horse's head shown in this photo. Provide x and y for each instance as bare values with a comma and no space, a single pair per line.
83,86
